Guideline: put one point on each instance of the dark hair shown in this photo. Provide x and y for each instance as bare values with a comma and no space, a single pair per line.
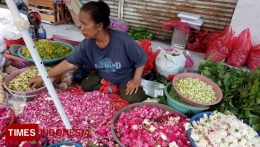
99,12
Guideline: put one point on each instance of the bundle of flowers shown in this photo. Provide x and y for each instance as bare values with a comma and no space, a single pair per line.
146,126
223,130
91,110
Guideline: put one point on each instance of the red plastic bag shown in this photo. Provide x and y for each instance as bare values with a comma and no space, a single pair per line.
11,42
195,42
220,45
253,60
241,46
146,45
118,101
207,38
176,23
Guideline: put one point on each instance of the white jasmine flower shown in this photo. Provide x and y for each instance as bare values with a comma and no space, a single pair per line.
221,130
187,126
135,127
173,144
146,122
48,99
163,136
68,146
152,128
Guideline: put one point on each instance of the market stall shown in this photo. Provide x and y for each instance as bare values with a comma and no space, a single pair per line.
215,104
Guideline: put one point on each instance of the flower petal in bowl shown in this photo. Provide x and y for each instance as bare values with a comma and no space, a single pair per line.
9,78
130,107
47,61
181,106
196,118
215,87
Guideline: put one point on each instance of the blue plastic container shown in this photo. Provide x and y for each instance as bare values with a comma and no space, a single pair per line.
195,118
48,61
181,106
65,143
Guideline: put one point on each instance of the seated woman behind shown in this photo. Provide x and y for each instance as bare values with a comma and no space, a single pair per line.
115,56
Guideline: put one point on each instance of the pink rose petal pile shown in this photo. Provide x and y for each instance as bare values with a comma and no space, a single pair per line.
146,126
91,110
5,118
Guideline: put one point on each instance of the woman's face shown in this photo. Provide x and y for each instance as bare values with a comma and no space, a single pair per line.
88,26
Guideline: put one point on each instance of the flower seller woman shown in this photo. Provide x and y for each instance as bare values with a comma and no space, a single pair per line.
115,56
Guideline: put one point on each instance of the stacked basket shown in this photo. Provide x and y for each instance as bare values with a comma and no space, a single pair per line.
16,61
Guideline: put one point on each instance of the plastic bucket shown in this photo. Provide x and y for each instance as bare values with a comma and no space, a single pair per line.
196,118
64,143
180,106
130,107
20,93
11,42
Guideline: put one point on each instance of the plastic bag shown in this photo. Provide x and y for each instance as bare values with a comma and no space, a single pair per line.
220,45
189,61
3,47
146,45
195,43
67,77
253,60
176,23
207,38
8,28
170,63
118,25
241,46
118,101
152,89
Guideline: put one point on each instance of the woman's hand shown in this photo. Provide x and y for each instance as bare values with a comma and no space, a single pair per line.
132,86
34,82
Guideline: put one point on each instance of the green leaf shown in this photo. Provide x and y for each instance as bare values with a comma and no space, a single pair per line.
163,100
210,57
227,76
92,144
219,83
253,116
257,101
256,127
247,113
253,120
206,73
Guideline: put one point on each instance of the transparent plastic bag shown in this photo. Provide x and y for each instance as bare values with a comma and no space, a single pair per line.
151,88
67,78
16,103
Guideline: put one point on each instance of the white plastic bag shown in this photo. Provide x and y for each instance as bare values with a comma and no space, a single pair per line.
8,28
3,60
3,47
151,88
167,64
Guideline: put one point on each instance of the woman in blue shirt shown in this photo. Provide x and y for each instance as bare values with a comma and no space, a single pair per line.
115,56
